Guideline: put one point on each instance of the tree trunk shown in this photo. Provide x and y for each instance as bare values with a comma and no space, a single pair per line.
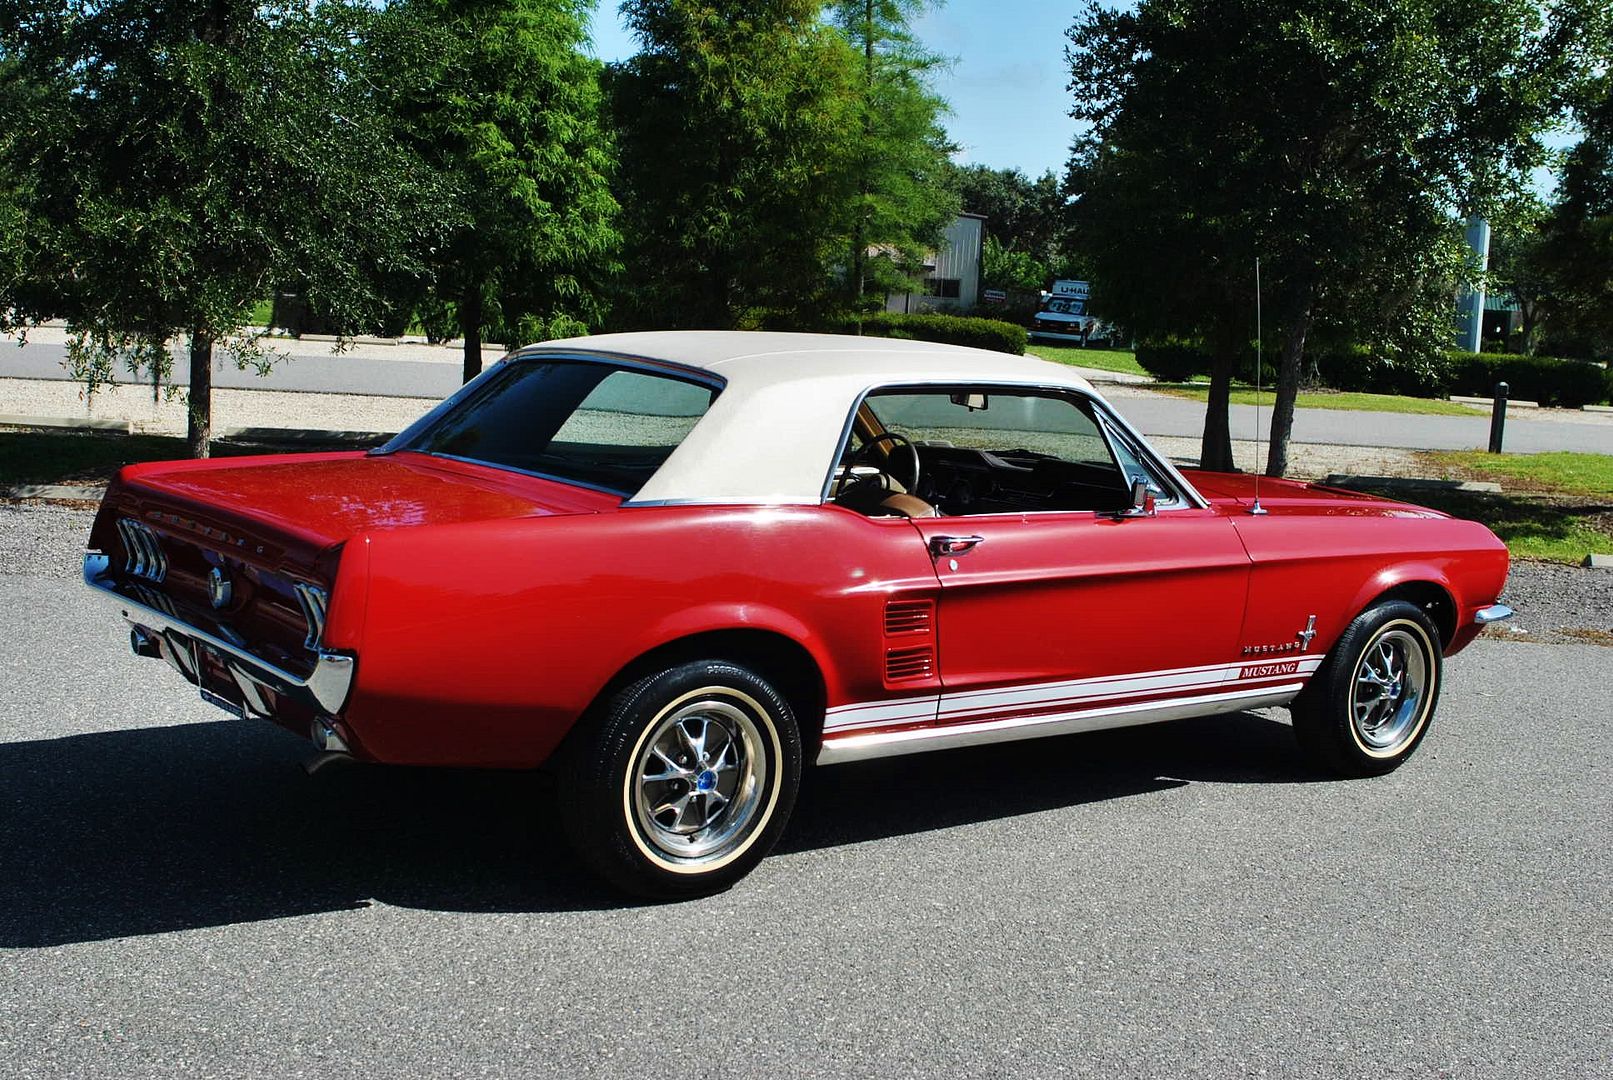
859,234
1302,313
199,421
1215,451
470,325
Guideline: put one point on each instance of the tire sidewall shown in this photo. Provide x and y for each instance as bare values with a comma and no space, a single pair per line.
1427,641
1324,720
596,785
626,769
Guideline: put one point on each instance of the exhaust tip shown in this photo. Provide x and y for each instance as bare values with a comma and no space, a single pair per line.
141,643
326,740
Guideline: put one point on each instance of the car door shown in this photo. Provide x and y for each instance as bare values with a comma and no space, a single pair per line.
1048,613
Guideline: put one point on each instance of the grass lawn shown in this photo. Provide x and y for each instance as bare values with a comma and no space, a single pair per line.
1557,507
1564,473
1102,359
1328,399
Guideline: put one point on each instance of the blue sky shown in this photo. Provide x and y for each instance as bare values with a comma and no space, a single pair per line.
1006,85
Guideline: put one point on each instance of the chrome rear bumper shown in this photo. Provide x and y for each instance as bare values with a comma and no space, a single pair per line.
324,690
1493,613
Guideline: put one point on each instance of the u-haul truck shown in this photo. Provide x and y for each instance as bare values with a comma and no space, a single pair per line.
1063,314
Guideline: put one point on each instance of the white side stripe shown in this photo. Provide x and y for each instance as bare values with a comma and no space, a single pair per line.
1024,698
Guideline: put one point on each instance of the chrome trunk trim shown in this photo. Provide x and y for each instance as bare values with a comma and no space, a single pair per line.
877,744
325,689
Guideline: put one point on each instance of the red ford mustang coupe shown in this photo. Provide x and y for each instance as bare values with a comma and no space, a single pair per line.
678,566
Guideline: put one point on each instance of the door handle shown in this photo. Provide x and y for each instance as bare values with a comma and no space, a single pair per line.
954,545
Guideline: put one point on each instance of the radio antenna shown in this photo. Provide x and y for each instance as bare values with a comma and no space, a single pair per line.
1257,509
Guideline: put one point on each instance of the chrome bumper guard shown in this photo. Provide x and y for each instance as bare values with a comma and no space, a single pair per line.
1493,613
324,690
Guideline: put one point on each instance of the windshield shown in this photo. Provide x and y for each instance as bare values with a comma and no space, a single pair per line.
604,425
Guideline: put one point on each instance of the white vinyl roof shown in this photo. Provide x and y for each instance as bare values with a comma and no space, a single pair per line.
772,434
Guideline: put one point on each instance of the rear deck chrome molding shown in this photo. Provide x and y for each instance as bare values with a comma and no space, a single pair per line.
1493,613
324,690
864,745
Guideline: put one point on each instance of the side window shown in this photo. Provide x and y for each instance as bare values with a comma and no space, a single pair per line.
990,450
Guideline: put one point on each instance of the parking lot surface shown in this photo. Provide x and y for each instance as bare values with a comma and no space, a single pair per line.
177,897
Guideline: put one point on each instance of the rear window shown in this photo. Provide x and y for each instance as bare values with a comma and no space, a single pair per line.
604,425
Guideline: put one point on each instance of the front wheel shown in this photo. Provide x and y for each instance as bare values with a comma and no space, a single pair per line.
683,781
1371,701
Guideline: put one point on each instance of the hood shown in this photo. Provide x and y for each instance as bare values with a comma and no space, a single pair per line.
1229,491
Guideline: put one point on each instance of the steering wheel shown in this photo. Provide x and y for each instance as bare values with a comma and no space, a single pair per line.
897,441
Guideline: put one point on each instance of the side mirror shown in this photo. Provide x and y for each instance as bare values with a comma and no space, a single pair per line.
1142,499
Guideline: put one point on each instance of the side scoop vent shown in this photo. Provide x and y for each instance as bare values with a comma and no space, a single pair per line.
914,663
909,616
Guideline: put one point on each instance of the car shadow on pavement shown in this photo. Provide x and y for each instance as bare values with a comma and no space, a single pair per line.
174,828
900,795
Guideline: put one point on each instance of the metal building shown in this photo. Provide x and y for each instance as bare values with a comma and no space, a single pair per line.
951,274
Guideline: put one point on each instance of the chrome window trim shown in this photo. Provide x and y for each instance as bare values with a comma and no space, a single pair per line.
324,690
1191,499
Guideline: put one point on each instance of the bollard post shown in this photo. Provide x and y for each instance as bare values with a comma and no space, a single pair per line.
1498,417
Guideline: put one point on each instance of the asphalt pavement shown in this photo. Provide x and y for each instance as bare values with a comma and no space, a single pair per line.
177,898
435,372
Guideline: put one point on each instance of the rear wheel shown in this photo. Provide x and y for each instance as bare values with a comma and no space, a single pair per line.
1372,700
683,781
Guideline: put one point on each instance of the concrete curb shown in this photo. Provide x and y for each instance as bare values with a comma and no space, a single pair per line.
81,423
1489,403
1410,483
54,493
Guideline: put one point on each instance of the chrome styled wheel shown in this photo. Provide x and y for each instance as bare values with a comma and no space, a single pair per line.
1390,682
701,776
1370,703
680,782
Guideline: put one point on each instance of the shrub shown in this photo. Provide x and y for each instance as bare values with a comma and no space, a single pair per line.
1364,369
1546,379
1173,360
992,334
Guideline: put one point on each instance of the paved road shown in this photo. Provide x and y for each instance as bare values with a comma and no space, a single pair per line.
178,899
399,371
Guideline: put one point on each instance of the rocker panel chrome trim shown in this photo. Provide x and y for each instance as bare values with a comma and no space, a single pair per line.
325,689
862,746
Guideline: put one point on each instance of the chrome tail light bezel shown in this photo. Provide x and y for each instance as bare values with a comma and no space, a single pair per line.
143,556
314,600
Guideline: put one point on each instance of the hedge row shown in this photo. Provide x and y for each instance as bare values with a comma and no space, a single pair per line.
1546,379
1566,383
989,334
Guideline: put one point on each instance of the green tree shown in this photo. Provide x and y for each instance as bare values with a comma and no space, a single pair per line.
1023,215
902,195
499,100
732,121
1574,255
1007,268
1341,141
166,163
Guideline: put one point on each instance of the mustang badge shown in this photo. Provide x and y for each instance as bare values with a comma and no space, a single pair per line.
1301,642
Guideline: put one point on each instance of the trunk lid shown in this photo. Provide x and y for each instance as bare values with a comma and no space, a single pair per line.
247,548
